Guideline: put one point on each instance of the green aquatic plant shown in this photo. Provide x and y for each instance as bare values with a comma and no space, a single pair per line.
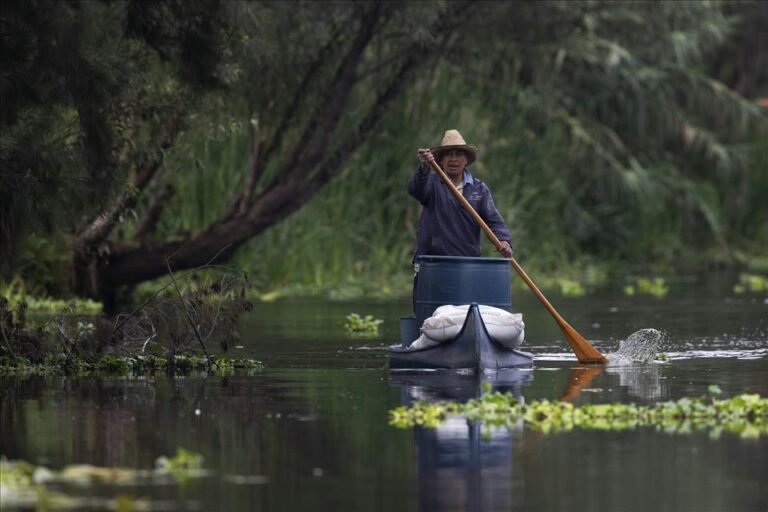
24,485
125,365
751,283
656,286
182,465
362,324
744,414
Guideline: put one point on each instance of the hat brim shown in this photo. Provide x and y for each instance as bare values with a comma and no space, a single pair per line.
470,149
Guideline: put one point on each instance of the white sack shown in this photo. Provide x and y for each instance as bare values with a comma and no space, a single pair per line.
504,327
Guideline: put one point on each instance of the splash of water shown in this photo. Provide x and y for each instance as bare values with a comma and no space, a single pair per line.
641,347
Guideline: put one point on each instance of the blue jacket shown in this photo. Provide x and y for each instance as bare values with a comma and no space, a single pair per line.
445,227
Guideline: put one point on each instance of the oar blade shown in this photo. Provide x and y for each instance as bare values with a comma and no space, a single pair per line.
585,352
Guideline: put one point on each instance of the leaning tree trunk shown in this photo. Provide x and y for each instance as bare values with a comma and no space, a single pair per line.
309,166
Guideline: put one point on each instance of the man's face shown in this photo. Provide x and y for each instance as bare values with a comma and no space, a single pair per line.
453,161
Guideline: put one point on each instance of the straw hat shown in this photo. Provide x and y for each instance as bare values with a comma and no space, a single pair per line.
452,139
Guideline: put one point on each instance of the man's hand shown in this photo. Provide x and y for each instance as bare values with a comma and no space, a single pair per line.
425,157
505,249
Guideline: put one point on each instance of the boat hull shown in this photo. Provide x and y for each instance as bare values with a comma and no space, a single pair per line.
472,348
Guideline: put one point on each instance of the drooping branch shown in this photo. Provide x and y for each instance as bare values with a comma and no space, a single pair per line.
263,149
256,168
413,55
323,123
300,93
335,162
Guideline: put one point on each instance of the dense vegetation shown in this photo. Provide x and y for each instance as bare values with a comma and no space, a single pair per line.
137,135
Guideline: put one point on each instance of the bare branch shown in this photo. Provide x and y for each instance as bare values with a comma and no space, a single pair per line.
159,290
262,150
189,317
323,123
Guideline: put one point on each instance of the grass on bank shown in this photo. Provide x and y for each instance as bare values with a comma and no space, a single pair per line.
174,333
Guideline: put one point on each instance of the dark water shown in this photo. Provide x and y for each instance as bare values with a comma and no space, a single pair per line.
310,432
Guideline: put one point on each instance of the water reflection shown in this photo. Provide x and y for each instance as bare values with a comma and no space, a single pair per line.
641,380
579,379
462,464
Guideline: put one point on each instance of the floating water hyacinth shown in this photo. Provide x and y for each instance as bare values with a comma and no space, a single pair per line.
744,414
367,324
25,486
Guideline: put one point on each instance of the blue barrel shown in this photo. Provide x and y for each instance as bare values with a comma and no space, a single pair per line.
460,280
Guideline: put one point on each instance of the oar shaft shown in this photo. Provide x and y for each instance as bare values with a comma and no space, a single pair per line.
535,290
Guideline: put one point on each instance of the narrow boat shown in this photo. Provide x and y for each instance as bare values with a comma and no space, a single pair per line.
455,280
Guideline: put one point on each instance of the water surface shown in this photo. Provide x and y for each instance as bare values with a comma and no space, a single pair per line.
310,432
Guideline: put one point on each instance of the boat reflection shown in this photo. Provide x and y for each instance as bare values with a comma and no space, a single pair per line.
462,464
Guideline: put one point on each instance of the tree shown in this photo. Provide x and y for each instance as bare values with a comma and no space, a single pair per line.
90,91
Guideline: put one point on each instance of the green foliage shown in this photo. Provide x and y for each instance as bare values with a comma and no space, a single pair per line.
357,324
86,87
744,414
580,142
15,292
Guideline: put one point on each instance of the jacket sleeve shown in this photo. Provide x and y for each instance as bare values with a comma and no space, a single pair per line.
492,217
420,186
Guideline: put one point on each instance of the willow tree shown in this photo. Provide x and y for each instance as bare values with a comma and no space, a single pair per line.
124,79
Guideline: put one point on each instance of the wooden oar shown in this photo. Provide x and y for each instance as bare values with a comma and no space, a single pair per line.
583,349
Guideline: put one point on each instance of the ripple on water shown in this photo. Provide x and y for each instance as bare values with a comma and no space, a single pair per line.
616,360
759,353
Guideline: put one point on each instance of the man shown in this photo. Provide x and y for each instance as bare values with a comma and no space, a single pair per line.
445,227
